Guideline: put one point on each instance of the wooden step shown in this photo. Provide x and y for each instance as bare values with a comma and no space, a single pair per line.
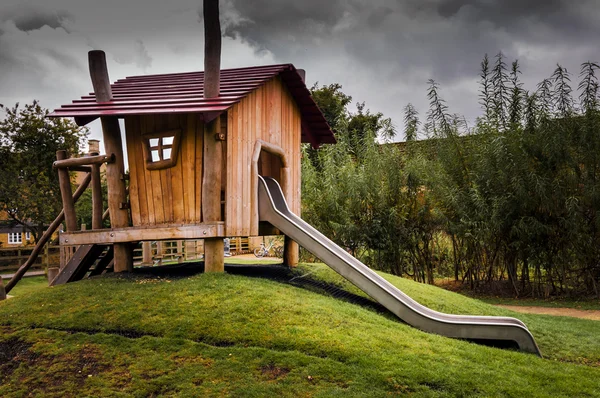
79,264
104,262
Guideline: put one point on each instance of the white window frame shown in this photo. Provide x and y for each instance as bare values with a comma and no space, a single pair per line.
27,236
15,238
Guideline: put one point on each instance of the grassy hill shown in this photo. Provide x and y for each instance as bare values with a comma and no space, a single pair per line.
234,335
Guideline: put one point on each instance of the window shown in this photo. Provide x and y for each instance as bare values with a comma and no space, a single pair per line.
27,235
15,238
161,149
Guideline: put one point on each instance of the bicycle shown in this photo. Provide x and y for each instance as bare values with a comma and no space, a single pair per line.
263,251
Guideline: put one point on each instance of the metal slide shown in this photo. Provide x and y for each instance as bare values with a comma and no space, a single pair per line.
273,209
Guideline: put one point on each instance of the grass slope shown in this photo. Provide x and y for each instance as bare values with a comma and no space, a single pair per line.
215,335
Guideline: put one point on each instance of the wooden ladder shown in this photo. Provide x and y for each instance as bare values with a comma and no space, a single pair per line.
82,261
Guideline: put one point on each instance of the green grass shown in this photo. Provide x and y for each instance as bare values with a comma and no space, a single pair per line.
28,285
229,335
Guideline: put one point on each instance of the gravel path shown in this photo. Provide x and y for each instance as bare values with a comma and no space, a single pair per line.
585,314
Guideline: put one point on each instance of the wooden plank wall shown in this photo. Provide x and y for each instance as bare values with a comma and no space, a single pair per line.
172,195
270,114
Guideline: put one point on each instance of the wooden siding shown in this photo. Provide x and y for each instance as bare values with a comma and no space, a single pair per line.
269,114
171,195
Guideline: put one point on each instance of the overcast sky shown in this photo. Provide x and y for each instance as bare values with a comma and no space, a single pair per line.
381,51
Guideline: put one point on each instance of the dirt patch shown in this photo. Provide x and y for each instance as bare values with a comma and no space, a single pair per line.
272,372
584,314
13,352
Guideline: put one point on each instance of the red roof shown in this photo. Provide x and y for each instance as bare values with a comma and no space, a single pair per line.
184,93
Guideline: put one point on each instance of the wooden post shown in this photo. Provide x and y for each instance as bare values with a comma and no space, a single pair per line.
212,48
214,259
159,252
146,253
52,272
115,171
2,290
179,252
66,194
96,196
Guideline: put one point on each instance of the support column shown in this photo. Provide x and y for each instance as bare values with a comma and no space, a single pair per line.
66,193
115,171
97,209
214,258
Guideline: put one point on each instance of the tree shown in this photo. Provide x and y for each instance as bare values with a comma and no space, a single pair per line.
29,189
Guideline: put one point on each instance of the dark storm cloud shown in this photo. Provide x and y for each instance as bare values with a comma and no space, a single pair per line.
562,17
447,36
501,10
264,20
27,18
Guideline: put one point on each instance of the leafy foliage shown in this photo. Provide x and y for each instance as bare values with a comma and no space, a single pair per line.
29,190
511,203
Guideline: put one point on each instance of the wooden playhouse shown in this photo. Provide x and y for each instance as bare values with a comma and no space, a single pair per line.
193,161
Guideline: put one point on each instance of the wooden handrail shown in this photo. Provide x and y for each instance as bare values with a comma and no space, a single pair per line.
84,161
46,237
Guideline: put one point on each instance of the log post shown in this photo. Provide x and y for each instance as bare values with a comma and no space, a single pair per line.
96,196
115,171
52,272
212,48
214,259
66,194
2,290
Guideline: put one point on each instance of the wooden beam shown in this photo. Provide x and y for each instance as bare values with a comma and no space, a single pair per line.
84,161
212,48
66,194
117,196
82,169
136,234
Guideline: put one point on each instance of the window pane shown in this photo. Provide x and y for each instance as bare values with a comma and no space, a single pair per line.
27,235
167,153
153,142
155,157
168,140
14,237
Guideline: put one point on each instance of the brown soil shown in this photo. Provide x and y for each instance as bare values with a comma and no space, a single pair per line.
585,314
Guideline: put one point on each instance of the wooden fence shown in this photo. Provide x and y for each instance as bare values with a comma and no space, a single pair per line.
178,251
11,258
157,253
